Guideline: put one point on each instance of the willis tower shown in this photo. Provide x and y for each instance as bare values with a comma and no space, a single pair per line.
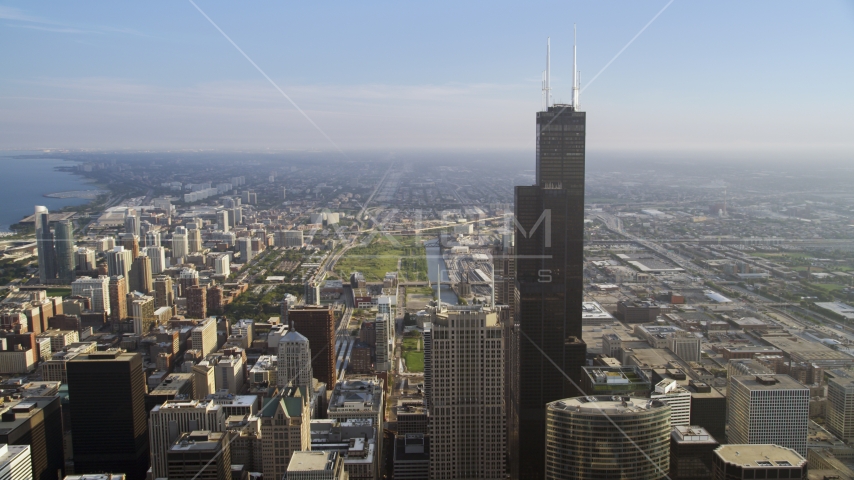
549,286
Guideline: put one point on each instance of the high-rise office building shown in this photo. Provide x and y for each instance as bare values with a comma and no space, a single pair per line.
186,279
549,221
84,259
194,240
197,302
384,342
607,437
467,423
288,238
229,374
222,221
427,336
97,289
203,336
174,417
64,246
142,312
158,259
164,296
222,265
691,451
37,422
738,462
180,247
45,246
245,245
668,391
199,455
108,414
317,466
132,224
15,462
285,429
118,298
840,405
768,409
317,324
236,217
152,238
141,275
131,243
294,361
119,261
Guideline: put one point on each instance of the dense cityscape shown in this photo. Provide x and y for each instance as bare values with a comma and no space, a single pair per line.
423,314
262,319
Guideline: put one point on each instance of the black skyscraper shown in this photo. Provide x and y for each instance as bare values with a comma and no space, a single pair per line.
37,422
109,427
549,270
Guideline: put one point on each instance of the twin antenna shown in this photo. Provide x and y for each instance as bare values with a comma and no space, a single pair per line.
576,75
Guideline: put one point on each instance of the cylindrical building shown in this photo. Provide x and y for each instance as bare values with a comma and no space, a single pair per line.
601,437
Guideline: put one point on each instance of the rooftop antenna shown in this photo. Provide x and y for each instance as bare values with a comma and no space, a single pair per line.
575,75
548,72
543,93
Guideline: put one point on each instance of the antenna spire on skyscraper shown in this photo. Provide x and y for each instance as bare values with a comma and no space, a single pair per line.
548,72
574,69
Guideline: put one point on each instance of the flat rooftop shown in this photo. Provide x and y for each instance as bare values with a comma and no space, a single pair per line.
760,456
768,382
198,441
302,461
692,435
606,405
804,351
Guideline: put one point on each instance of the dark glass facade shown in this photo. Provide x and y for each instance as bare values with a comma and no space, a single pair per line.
317,324
108,417
549,271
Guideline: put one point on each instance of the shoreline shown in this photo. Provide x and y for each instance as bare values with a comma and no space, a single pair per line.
88,190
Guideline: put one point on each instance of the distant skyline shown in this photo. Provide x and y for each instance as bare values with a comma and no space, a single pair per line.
756,79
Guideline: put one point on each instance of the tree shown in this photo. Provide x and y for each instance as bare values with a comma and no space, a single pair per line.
408,321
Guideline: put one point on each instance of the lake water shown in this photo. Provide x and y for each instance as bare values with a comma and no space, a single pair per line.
434,260
23,182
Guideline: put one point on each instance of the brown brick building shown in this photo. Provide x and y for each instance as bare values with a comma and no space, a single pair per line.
197,303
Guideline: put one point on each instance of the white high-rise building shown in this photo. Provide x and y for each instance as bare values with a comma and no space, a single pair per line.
180,246
840,405
222,265
15,462
203,336
97,289
168,421
468,430
119,261
158,259
679,399
222,220
294,362
768,409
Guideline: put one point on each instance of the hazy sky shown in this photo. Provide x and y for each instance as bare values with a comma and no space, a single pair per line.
759,77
